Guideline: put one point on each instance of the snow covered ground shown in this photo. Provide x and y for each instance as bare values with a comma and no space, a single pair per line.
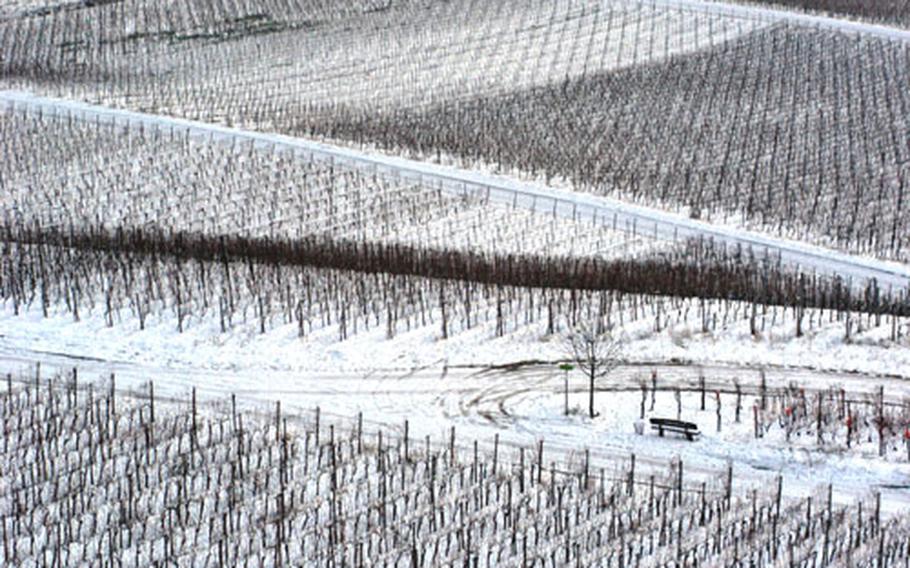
509,388
437,384
465,381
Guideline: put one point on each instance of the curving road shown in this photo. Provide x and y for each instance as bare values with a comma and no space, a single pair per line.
637,219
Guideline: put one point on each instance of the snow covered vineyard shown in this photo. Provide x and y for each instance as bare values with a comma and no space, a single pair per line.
484,48
141,220
99,477
340,198
572,91
70,171
476,249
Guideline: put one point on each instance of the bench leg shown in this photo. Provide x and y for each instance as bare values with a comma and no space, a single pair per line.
660,432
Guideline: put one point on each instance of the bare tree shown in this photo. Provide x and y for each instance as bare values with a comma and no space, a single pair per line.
596,351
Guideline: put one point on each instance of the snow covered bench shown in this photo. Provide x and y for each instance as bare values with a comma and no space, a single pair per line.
688,429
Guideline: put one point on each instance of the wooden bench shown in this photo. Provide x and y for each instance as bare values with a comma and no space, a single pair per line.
687,429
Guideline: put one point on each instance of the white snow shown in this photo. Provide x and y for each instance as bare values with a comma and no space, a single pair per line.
436,384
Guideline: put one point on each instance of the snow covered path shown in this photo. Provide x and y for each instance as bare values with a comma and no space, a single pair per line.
640,220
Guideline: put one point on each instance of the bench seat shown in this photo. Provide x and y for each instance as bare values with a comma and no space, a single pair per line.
687,429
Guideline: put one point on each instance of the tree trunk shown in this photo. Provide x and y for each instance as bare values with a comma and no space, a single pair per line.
591,394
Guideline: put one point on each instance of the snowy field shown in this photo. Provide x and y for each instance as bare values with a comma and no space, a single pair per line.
460,382
84,175
207,402
143,480
361,57
393,369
